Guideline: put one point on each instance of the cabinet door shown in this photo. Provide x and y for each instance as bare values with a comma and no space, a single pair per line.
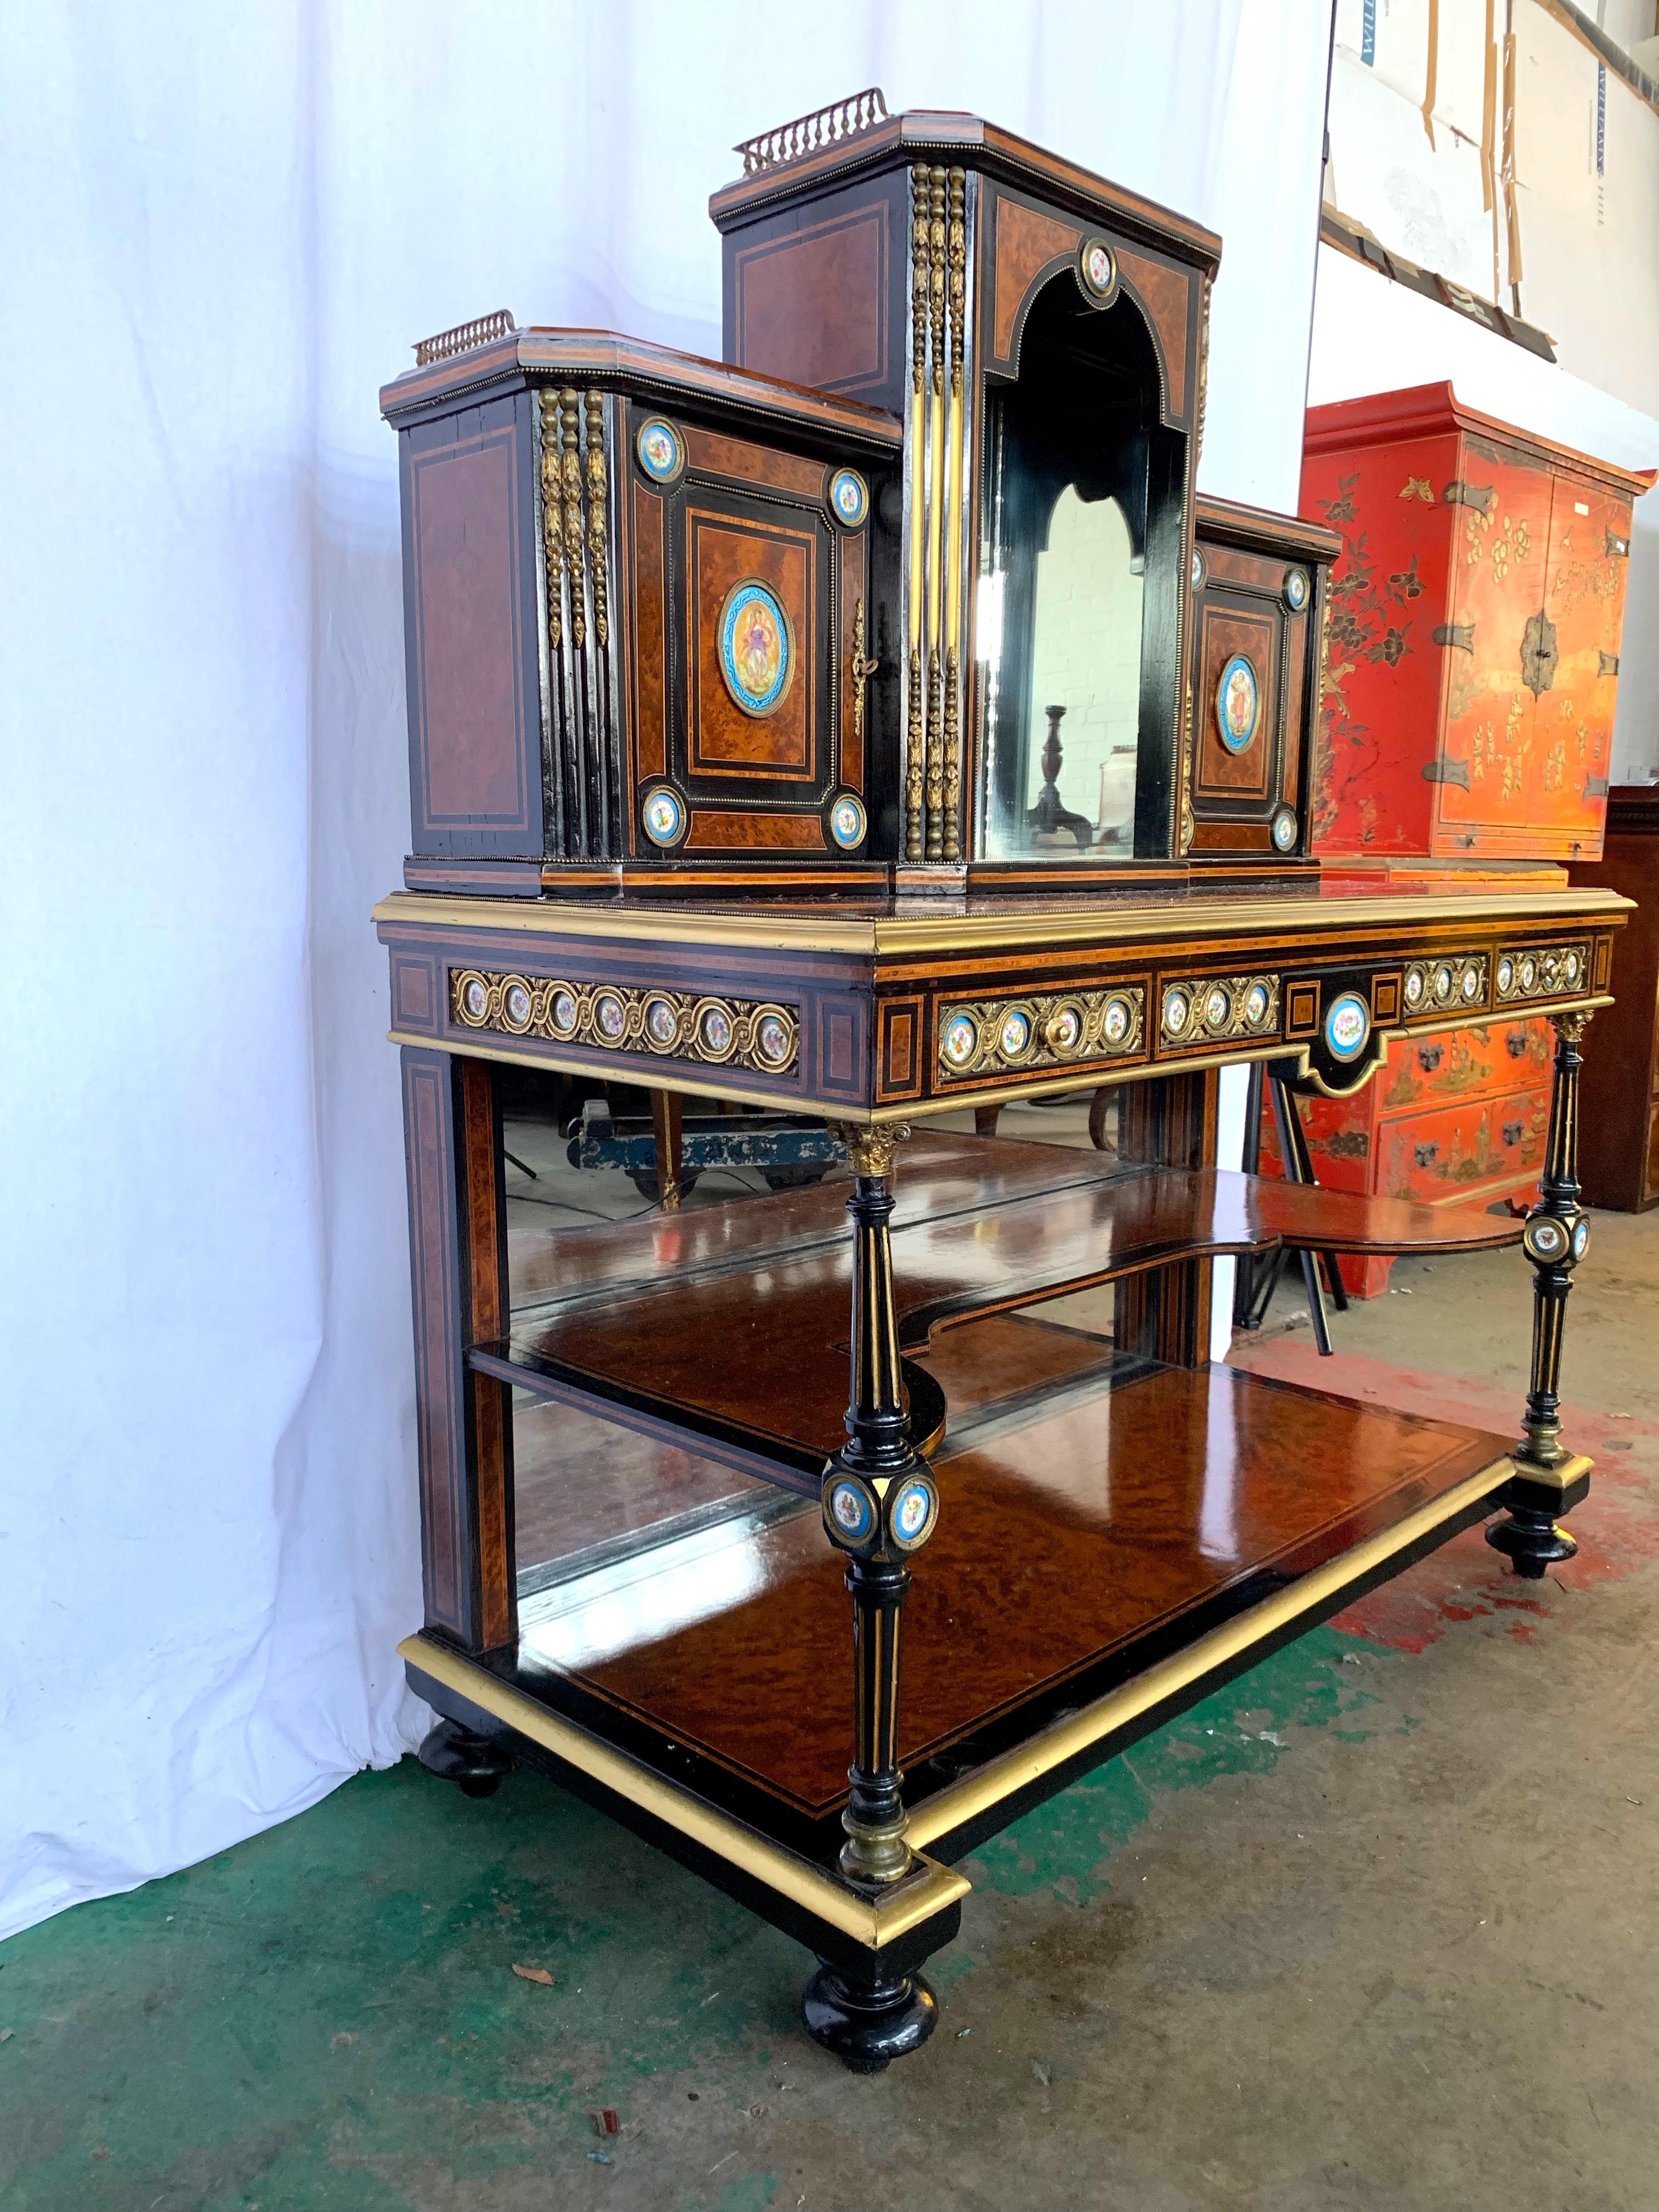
1584,609
1500,548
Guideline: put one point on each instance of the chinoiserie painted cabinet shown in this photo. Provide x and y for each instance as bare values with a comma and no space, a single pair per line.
1472,667
1474,639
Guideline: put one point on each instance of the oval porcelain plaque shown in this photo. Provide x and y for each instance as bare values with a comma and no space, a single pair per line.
1238,703
756,657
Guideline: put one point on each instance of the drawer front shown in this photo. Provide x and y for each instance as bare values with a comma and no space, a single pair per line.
1478,1062
1457,1151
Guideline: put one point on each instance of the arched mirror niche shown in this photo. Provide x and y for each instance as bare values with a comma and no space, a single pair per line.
1076,618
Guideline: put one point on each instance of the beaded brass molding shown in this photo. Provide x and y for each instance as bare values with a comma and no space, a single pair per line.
1443,986
1542,971
1052,1028
1211,1009
748,1033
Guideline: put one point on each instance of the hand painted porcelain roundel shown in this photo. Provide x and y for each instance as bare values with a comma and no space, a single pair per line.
661,455
1238,703
850,497
846,821
755,655
1347,1025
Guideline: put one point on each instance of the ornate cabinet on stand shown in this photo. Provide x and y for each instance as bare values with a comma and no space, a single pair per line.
1476,606
872,725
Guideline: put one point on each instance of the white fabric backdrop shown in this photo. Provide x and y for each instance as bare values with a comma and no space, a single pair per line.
221,229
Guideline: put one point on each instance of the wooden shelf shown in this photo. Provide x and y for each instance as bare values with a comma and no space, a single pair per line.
1083,1541
728,1325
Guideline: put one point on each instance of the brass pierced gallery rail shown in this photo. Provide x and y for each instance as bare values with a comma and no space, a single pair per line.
826,126
464,337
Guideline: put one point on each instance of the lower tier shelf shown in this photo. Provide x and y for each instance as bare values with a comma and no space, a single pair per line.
1115,1526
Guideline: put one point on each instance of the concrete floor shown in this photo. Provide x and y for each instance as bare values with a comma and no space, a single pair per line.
1372,1929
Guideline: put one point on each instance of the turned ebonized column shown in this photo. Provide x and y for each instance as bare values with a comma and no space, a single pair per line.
879,1506
1555,1239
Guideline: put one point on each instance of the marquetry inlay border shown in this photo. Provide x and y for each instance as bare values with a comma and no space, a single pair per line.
719,1032
1542,971
1218,1009
1048,1029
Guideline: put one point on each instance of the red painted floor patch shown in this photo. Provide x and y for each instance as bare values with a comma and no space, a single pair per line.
1617,1526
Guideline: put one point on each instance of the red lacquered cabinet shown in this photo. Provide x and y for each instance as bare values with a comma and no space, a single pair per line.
1471,668
1472,644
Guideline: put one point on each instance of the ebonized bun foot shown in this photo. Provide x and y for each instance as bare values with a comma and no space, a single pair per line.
868,2025
455,1754
1532,1540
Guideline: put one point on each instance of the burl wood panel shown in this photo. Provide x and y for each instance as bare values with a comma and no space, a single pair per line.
723,553
1029,246
781,1321
650,661
764,465
1061,1543
811,306
1166,295
1226,630
713,832
470,744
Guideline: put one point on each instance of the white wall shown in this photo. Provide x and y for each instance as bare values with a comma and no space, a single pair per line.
1373,336
222,229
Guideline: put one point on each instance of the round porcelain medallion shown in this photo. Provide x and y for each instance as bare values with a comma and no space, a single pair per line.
661,454
849,497
772,1039
1099,269
1347,1025
474,999
609,1015
1216,1007
1296,590
1198,571
1414,988
1506,975
1115,1026
757,656
959,1042
662,1023
515,1005
1544,1239
664,815
1471,984
714,1030
1571,966
562,1012
1528,972
1065,1027
1015,1033
1175,1011
1256,1003
1285,829
1443,981
852,1510
847,822
911,1513
1581,1240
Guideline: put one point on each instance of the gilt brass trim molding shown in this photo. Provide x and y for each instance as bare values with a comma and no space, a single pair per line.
874,1923
1044,927
1015,1770
667,1025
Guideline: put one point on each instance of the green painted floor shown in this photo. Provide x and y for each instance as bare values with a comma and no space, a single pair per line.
1373,1928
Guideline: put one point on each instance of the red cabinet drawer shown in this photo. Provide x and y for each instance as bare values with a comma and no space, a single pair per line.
1458,1151
1471,1063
